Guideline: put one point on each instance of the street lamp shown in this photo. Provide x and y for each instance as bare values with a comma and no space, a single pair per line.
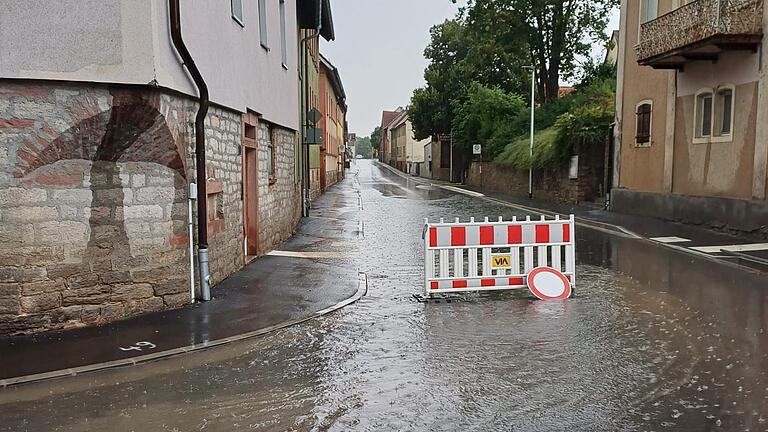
530,153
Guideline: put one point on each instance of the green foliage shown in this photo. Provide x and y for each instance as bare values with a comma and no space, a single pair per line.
376,137
363,147
482,115
517,152
550,33
593,72
432,107
581,118
587,122
490,41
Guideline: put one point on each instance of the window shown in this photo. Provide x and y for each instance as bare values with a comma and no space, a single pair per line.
713,120
643,120
648,10
724,111
283,41
237,11
263,24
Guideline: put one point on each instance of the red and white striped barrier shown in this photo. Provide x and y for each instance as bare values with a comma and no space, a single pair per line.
480,256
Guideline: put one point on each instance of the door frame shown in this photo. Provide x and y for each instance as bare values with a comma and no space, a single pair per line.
250,120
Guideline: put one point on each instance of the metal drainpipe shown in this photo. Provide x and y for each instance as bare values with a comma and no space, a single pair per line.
202,202
305,121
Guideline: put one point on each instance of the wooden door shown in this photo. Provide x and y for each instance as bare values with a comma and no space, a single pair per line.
251,201
323,180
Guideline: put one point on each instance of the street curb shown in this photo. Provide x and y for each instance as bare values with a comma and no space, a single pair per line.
600,226
362,290
617,230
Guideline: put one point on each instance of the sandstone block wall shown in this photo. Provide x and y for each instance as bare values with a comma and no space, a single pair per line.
93,209
550,185
279,201
224,164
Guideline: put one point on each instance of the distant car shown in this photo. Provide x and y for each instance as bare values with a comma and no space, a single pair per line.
359,156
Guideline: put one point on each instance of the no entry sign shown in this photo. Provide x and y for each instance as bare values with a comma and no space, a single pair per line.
547,283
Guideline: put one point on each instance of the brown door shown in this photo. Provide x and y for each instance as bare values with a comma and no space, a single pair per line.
251,198
323,180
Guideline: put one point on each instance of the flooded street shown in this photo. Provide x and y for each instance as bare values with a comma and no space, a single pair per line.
655,340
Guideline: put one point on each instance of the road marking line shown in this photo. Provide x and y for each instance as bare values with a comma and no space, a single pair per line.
670,239
308,255
459,190
732,248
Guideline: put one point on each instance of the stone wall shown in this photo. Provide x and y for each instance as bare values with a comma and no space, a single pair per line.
224,164
548,185
280,200
93,202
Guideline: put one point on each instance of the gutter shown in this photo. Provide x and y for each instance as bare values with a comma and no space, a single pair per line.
202,111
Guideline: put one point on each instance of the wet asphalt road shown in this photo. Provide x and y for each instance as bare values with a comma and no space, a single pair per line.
656,340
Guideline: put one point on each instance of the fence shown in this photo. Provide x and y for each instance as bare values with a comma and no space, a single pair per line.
481,256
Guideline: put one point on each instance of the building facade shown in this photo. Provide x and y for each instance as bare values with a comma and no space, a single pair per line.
333,108
97,152
386,151
409,152
692,105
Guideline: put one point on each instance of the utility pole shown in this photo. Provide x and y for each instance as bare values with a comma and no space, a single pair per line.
450,175
533,114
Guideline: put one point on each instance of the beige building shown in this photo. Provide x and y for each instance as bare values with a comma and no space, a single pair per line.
692,112
408,153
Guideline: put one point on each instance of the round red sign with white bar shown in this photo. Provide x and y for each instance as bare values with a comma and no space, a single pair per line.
547,283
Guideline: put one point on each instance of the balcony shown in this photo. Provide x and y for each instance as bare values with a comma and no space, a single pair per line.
700,30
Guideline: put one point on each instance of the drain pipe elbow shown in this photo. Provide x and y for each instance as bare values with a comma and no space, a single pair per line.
202,111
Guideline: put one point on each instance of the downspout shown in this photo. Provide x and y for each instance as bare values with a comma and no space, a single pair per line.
305,121
202,202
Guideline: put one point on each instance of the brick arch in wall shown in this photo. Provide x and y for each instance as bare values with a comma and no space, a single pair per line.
118,242
132,129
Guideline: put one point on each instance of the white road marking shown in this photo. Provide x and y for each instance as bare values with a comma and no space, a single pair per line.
308,255
732,248
670,239
460,190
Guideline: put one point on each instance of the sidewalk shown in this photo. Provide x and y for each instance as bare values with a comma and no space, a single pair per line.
309,275
741,249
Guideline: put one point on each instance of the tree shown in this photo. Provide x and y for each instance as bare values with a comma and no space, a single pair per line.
485,113
556,33
376,137
363,147
432,107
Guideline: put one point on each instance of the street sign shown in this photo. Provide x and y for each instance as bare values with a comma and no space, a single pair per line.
314,136
501,261
314,116
477,149
444,137
547,283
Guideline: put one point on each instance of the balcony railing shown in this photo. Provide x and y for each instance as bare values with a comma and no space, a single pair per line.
700,28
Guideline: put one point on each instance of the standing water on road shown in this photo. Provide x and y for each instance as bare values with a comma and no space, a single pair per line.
655,340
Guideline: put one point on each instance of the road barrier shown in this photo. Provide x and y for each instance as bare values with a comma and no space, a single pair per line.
483,256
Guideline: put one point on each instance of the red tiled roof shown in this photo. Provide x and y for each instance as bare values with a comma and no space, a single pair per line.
387,117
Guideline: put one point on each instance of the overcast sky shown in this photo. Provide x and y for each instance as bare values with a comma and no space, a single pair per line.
379,51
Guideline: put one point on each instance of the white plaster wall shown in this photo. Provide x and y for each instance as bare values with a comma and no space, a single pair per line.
414,149
128,42
240,73
733,67
77,40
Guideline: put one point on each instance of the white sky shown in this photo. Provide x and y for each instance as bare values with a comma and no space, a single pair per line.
379,51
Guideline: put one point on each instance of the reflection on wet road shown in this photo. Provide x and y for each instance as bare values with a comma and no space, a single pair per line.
656,340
